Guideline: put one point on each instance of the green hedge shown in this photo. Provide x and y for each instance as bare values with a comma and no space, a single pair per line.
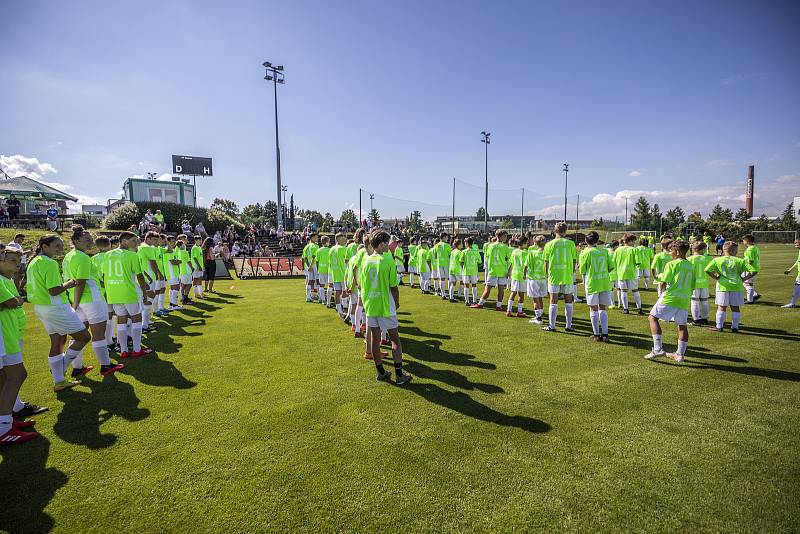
174,214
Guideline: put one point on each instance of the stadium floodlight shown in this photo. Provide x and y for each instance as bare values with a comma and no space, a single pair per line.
486,140
565,168
275,75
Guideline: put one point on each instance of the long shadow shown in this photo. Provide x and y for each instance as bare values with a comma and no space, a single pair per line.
775,374
84,412
222,295
431,351
416,331
466,405
768,332
206,307
418,369
188,312
27,486
154,371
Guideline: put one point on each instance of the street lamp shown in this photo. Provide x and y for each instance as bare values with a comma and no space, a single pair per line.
566,172
152,175
371,198
486,142
283,205
275,75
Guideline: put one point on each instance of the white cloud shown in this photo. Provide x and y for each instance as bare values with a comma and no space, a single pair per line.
635,174
57,185
714,163
166,177
19,165
770,198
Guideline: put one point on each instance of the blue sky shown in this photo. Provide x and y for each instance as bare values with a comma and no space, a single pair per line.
667,99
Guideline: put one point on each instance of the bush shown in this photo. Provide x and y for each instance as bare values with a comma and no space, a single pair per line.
174,214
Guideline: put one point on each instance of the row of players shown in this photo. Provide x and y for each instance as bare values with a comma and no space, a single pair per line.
122,283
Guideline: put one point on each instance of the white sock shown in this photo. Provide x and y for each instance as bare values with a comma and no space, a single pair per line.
339,308
538,312
510,304
474,294
411,278
109,330
795,294
682,347
100,349
695,310
482,301
6,422
161,300
466,295
136,334
146,315
720,319
657,346
751,291
568,307
308,292
638,299
647,282
18,404
624,296
604,322
519,307
122,337
735,317
73,357
56,367
498,304
358,318
552,314
704,309
594,317
452,288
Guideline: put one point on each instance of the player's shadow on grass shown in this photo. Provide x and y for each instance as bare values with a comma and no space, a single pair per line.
446,376
431,351
26,487
466,405
218,294
775,374
416,331
769,333
205,307
83,412
199,314
154,371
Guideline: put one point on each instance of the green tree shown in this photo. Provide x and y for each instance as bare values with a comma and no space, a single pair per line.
742,215
415,221
642,216
374,217
253,214
327,222
271,211
226,206
348,217
479,216
506,224
787,220
674,217
695,217
720,214
656,222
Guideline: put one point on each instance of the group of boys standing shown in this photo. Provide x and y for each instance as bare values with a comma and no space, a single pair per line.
99,284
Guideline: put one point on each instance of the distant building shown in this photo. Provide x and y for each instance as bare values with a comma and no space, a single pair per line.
178,191
796,206
97,210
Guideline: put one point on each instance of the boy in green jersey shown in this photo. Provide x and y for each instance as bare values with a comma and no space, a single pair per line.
196,255
627,261
423,264
87,301
399,258
338,253
353,309
185,268
443,250
454,268
660,261
470,259
678,280
486,257
796,290
497,264
595,264
308,254
126,289
172,273
752,255
161,284
433,261
378,280
708,240
730,273
700,260
322,259
645,260
518,286
148,256
535,274
612,249
412,261
103,245
560,258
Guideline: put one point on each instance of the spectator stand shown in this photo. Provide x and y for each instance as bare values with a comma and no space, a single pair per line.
25,202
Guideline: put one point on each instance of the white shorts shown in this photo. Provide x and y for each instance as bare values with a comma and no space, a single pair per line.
470,278
10,359
311,274
401,268
134,308
434,273
384,323
749,281
599,299
700,293
174,281
518,286
324,279
454,278
59,319
425,276
338,286
186,279
93,312
644,273
729,298
161,284
565,289
494,281
537,289
669,313
198,273
444,272
412,269
628,284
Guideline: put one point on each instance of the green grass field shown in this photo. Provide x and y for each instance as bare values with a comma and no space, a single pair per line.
258,414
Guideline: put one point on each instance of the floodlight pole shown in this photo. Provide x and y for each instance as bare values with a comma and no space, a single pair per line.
453,220
486,142
275,73
566,171
359,207
522,213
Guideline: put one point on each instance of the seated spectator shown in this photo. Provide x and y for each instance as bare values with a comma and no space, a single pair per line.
200,230
236,249
186,228
52,218
149,218
217,237
159,219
